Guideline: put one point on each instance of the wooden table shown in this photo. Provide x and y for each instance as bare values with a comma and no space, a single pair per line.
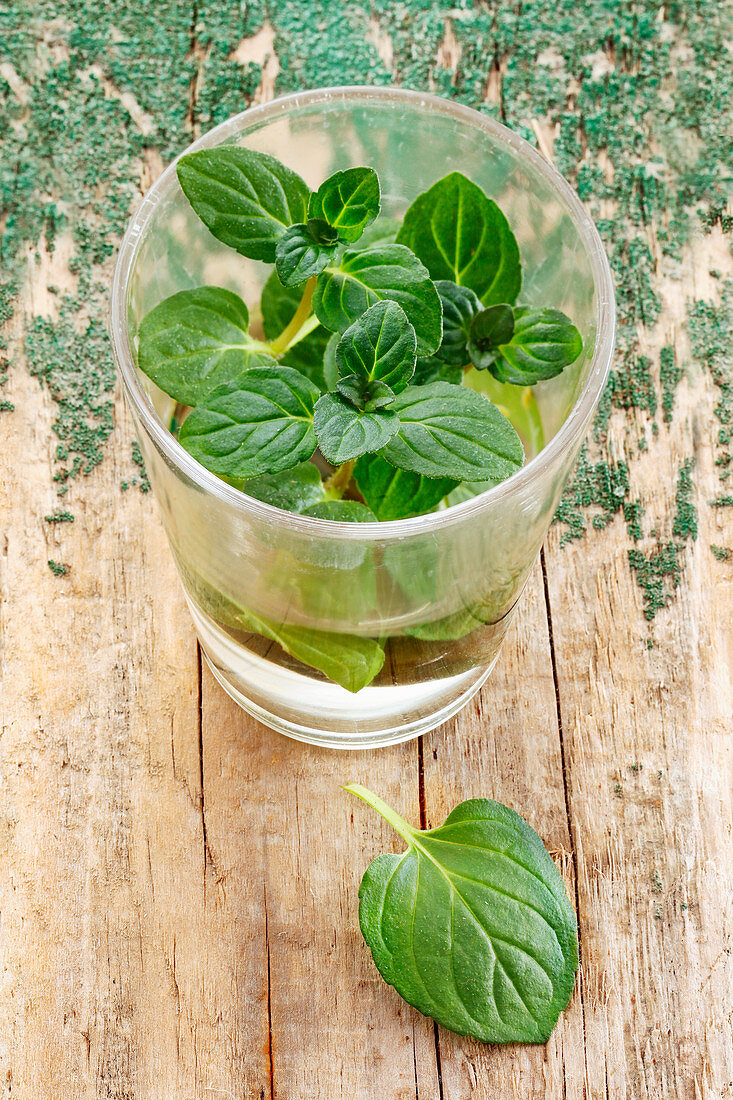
179,884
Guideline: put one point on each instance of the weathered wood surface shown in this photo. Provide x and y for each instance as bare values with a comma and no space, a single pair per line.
179,885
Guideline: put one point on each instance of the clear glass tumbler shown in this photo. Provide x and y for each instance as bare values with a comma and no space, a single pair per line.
419,605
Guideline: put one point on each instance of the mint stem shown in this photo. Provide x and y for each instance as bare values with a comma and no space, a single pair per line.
398,823
291,333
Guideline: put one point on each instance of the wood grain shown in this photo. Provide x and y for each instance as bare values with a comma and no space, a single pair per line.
179,885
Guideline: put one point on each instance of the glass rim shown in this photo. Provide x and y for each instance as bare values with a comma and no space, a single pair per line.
178,457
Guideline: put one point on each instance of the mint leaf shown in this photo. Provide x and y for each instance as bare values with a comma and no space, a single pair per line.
472,924
260,423
299,255
246,199
292,490
489,329
380,346
348,660
543,344
195,340
449,431
278,306
460,307
432,369
342,511
460,234
397,494
344,432
348,201
330,366
364,393
363,277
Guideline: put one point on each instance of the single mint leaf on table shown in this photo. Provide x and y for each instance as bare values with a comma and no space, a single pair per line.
278,306
472,924
489,329
342,511
348,660
449,431
460,234
301,252
344,432
380,346
195,340
543,344
260,423
460,307
246,199
348,201
363,277
398,494
292,490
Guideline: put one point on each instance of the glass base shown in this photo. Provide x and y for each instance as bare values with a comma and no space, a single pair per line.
322,713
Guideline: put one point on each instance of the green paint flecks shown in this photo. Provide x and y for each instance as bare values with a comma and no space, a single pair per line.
72,152
141,479
58,568
711,329
597,489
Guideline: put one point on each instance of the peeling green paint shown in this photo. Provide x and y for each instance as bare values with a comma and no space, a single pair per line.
670,374
141,479
58,568
722,553
59,517
103,87
685,518
599,489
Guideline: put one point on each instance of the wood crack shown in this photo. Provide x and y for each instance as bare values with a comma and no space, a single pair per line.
424,825
566,793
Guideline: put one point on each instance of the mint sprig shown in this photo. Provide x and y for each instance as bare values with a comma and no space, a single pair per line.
387,370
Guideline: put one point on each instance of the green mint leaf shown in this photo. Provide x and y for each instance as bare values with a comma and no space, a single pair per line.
195,340
246,199
364,393
449,431
260,423
292,490
348,201
472,924
348,660
344,432
342,511
381,345
278,306
543,344
460,234
398,494
363,277
322,232
299,255
460,307
432,369
490,329
330,366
